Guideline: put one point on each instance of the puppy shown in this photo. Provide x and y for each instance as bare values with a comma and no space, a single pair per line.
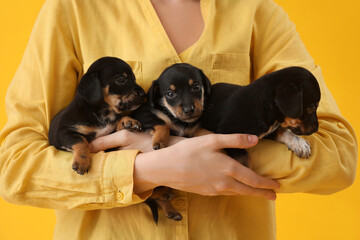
175,104
105,92
279,105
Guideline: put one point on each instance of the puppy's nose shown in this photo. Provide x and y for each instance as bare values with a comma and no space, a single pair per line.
188,110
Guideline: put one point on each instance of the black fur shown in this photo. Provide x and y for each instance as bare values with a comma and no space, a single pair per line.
177,75
290,93
91,113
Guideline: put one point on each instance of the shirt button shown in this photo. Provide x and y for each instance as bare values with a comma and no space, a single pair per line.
120,195
341,125
180,203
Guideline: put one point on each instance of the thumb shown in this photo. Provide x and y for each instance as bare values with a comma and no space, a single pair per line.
106,142
221,141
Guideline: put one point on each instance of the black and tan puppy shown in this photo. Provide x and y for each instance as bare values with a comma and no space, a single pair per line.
280,105
175,104
105,92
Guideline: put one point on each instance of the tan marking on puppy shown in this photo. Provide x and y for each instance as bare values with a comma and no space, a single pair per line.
125,74
188,132
162,116
201,132
295,123
111,100
274,127
130,99
191,82
178,113
199,105
99,131
168,107
169,210
82,160
83,129
172,87
291,122
161,136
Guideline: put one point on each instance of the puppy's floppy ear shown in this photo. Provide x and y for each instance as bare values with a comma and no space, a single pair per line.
153,93
206,83
90,89
289,99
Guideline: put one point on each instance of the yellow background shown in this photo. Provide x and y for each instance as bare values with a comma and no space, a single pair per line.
331,32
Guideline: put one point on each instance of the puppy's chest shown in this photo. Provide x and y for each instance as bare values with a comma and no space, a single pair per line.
183,131
178,129
270,130
102,126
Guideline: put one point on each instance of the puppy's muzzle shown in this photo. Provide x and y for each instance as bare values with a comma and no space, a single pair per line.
133,100
188,110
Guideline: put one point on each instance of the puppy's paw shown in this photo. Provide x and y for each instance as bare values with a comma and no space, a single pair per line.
300,147
81,164
130,124
169,210
174,215
159,145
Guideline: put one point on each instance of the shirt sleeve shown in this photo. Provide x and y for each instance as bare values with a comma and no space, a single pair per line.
31,171
332,165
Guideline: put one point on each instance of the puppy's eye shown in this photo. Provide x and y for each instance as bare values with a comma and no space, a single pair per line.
195,87
170,94
119,80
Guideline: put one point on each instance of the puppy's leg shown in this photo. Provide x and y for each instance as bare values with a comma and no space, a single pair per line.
161,198
162,193
129,124
202,132
298,145
160,136
169,210
82,160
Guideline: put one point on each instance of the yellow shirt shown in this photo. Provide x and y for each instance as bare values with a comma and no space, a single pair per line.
242,40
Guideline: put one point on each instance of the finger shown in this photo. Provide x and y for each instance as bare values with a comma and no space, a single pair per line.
106,142
242,189
252,179
221,141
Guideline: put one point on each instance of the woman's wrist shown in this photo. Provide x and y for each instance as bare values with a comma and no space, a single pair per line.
144,173
148,167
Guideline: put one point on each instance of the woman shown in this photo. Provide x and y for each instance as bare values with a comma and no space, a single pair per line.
234,41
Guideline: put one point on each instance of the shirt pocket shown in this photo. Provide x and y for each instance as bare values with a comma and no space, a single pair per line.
231,68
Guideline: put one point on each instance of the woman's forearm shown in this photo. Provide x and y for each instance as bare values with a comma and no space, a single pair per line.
197,165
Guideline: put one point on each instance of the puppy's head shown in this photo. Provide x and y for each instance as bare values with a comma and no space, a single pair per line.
110,81
182,90
297,98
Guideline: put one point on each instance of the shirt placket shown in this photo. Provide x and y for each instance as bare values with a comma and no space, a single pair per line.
165,44
180,203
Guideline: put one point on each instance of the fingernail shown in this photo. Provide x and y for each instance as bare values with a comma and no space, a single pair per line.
252,138
273,198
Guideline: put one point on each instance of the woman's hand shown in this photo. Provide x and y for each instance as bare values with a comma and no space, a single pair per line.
199,166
